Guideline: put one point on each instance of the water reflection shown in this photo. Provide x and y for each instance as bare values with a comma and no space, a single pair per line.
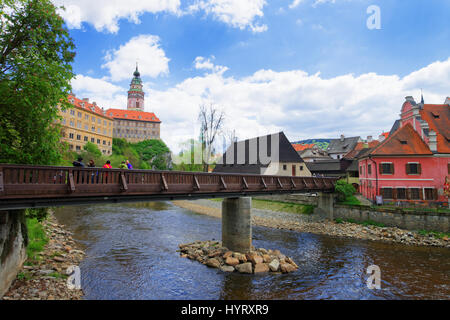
131,254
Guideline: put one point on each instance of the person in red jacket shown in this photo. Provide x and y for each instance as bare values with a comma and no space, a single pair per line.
107,166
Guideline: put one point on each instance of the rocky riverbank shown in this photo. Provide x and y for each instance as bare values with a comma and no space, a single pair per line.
257,261
300,223
46,279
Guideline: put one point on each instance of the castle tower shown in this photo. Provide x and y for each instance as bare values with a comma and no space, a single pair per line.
136,94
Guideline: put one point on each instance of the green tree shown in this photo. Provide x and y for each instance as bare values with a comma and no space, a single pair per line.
36,56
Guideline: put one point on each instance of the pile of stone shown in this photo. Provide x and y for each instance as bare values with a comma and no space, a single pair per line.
46,279
257,261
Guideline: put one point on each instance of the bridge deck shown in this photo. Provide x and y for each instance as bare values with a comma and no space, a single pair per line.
43,186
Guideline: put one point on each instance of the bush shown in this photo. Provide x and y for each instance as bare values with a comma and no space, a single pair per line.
37,238
38,214
345,191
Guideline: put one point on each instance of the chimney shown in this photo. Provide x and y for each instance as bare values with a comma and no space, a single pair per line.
432,143
342,138
369,139
95,103
86,99
410,99
447,101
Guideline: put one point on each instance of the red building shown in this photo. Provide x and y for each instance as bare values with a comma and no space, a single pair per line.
411,165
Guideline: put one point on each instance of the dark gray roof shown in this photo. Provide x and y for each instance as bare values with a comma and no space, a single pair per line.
395,127
324,166
353,167
285,153
342,146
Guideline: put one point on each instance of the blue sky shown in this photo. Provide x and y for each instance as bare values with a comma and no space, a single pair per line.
311,68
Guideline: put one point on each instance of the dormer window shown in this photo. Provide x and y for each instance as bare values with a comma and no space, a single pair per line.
435,115
404,142
125,115
82,104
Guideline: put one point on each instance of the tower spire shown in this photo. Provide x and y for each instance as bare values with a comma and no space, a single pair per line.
422,101
136,94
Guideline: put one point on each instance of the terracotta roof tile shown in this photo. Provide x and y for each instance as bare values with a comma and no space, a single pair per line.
84,105
302,147
438,119
133,115
405,141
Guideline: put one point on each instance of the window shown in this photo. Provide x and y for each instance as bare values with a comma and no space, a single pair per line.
301,168
284,167
71,135
369,169
93,119
80,115
104,142
93,140
401,193
78,137
93,128
72,112
72,124
430,194
414,193
86,117
413,168
99,121
86,127
79,124
387,193
386,168
86,139
71,147
98,141
78,148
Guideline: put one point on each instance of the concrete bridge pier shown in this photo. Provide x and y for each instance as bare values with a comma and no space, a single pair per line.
237,224
325,205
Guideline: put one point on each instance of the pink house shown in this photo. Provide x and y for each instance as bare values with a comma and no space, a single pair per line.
411,165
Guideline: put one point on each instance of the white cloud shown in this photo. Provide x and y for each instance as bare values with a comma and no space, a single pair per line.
104,93
237,13
201,63
144,49
302,105
104,15
295,4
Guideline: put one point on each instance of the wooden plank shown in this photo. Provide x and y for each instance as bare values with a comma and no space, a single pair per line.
244,183
123,181
71,182
223,185
164,185
2,187
263,183
279,183
294,186
196,184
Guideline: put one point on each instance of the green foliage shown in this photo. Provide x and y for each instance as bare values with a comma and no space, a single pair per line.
92,149
148,154
185,159
38,214
37,239
36,53
435,234
364,223
345,193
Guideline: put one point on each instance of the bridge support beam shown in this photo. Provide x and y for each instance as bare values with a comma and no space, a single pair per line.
325,205
237,224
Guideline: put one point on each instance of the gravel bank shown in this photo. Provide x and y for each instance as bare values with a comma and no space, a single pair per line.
303,223
47,280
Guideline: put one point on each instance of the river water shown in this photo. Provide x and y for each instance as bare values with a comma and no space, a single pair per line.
131,254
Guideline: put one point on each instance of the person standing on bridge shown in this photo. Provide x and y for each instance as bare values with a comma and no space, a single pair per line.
107,166
79,163
130,167
92,165
123,165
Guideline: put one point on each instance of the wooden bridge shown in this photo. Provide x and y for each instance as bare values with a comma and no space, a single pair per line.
43,186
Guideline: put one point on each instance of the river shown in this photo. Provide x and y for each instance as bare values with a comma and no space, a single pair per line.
131,254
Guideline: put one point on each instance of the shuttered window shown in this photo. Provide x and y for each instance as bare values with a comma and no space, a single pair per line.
430,194
386,168
401,193
413,168
387,193
415,193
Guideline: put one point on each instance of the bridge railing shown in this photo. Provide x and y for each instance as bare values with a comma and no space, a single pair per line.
19,181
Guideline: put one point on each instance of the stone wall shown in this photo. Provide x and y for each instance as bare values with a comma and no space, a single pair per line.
293,198
13,242
417,220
